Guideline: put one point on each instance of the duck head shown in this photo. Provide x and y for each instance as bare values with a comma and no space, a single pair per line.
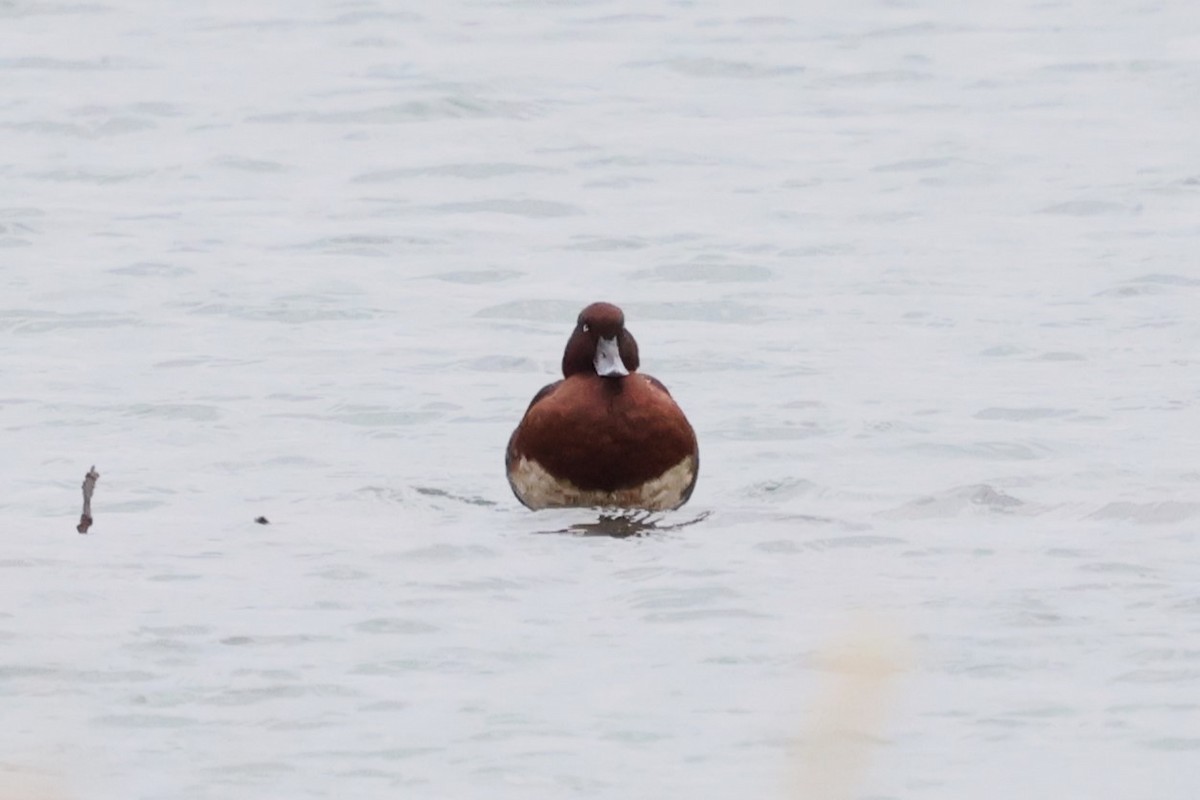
600,345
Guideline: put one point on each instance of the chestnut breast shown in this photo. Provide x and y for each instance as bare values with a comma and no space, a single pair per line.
605,434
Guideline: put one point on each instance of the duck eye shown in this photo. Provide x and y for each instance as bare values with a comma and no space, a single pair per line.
586,327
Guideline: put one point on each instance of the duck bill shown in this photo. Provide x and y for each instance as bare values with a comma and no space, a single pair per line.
608,359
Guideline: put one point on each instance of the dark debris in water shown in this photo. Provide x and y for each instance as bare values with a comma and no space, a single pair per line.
89,487
262,520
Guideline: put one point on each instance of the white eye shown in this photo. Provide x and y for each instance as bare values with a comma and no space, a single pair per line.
586,328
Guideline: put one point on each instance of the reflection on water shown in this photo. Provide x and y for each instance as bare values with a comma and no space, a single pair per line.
625,524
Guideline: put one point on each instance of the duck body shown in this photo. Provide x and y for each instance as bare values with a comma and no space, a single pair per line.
605,435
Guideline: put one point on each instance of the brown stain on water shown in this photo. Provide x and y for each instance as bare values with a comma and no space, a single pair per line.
846,724
23,783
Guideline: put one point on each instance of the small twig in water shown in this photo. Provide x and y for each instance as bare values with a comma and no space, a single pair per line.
89,486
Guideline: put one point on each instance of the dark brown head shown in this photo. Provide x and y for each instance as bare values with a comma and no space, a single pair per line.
600,345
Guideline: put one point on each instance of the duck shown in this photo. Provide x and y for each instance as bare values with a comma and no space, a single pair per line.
605,435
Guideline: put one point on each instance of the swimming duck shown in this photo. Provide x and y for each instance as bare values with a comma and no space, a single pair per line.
605,435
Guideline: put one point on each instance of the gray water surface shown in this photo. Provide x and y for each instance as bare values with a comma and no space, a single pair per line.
923,276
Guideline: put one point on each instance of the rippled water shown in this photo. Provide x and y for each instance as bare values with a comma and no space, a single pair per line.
923,276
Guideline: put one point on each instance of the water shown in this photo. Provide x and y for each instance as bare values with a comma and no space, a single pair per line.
923,276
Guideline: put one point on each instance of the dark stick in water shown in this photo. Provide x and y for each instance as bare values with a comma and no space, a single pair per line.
89,486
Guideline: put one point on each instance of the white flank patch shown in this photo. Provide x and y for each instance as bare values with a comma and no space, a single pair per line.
539,489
